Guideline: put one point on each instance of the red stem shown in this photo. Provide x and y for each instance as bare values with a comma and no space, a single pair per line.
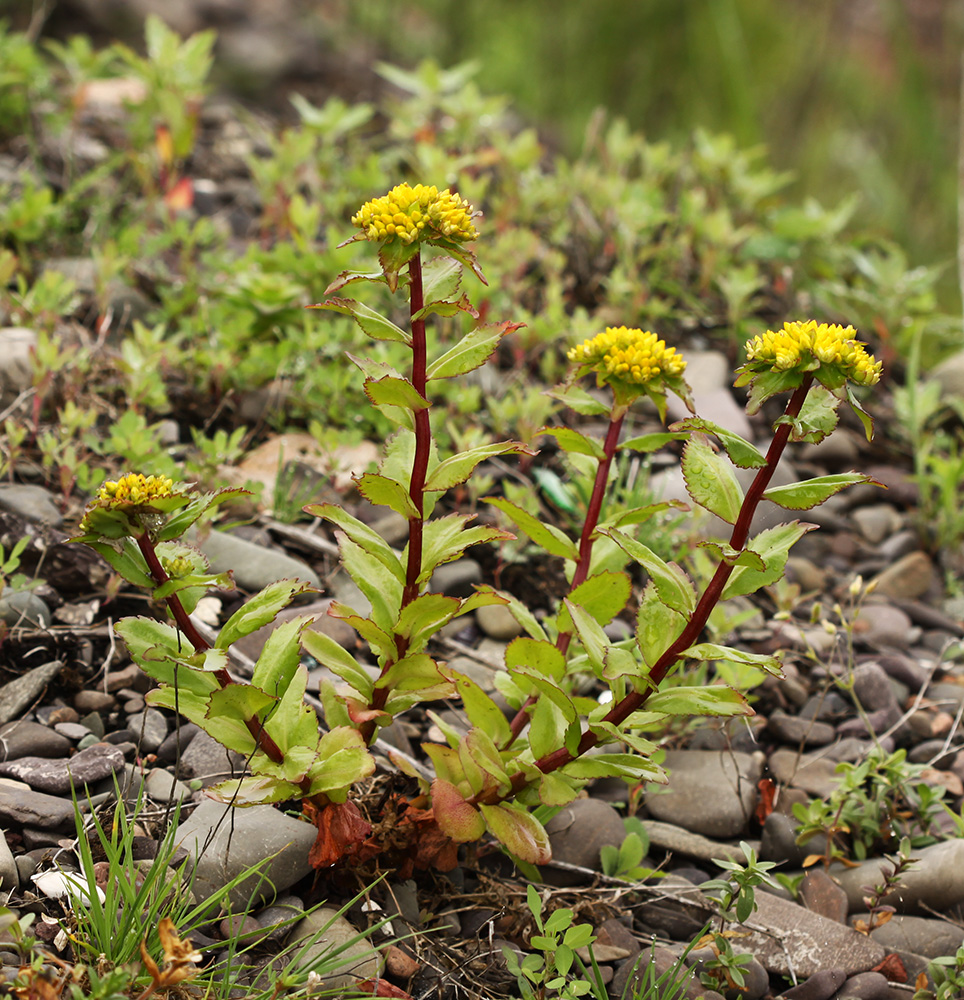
585,553
146,544
423,442
714,589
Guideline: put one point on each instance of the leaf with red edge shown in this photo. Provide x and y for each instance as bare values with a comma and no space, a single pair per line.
519,832
341,830
456,817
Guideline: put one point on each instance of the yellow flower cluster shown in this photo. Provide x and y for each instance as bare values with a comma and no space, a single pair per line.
629,355
135,488
414,213
829,344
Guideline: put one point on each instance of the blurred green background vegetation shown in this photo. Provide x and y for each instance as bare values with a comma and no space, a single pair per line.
850,95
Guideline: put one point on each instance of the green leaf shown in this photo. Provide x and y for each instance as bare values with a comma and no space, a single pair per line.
613,765
374,370
459,467
228,710
603,596
389,391
546,536
293,724
480,708
547,727
572,441
674,587
740,451
469,352
177,698
372,322
342,760
610,733
710,479
447,764
519,832
817,417
620,662
280,656
866,420
483,751
387,492
767,384
639,515
710,699
773,546
125,558
578,399
253,790
657,625
446,538
339,661
416,672
457,819
538,655
259,611
348,277
590,634
646,443
556,790
423,617
178,522
379,639
812,492
361,534
713,651
375,581
441,277
733,557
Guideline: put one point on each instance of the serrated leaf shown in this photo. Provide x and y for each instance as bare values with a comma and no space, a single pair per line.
253,790
646,443
228,710
485,753
388,493
714,651
279,656
441,277
415,673
459,467
125,558
710,479
657,626
741,452
519,832
674,587
259,611
556,790
446,538
813,492
334,657
457,819
373,369
639,515
603,595
348,277
450,308
578,399
372,322
866,420
734,557
380,640
817,417
469,352
179,521
547,727
537,655
709,699
482,711
389,391
590,633
423,617
546,536
613,765
620,662
375,581
572,441
773,546
361,534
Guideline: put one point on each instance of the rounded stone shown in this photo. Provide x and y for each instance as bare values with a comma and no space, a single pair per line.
579,831
498,622
22,609
149,728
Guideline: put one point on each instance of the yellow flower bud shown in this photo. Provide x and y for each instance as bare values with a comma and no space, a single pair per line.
409,214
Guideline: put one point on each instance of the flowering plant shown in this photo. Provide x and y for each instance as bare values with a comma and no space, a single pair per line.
489,778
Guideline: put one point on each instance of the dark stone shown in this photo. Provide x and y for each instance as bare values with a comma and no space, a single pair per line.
798,731
821,894
25,806
30,739
57,776
19,694
820,986
867,986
